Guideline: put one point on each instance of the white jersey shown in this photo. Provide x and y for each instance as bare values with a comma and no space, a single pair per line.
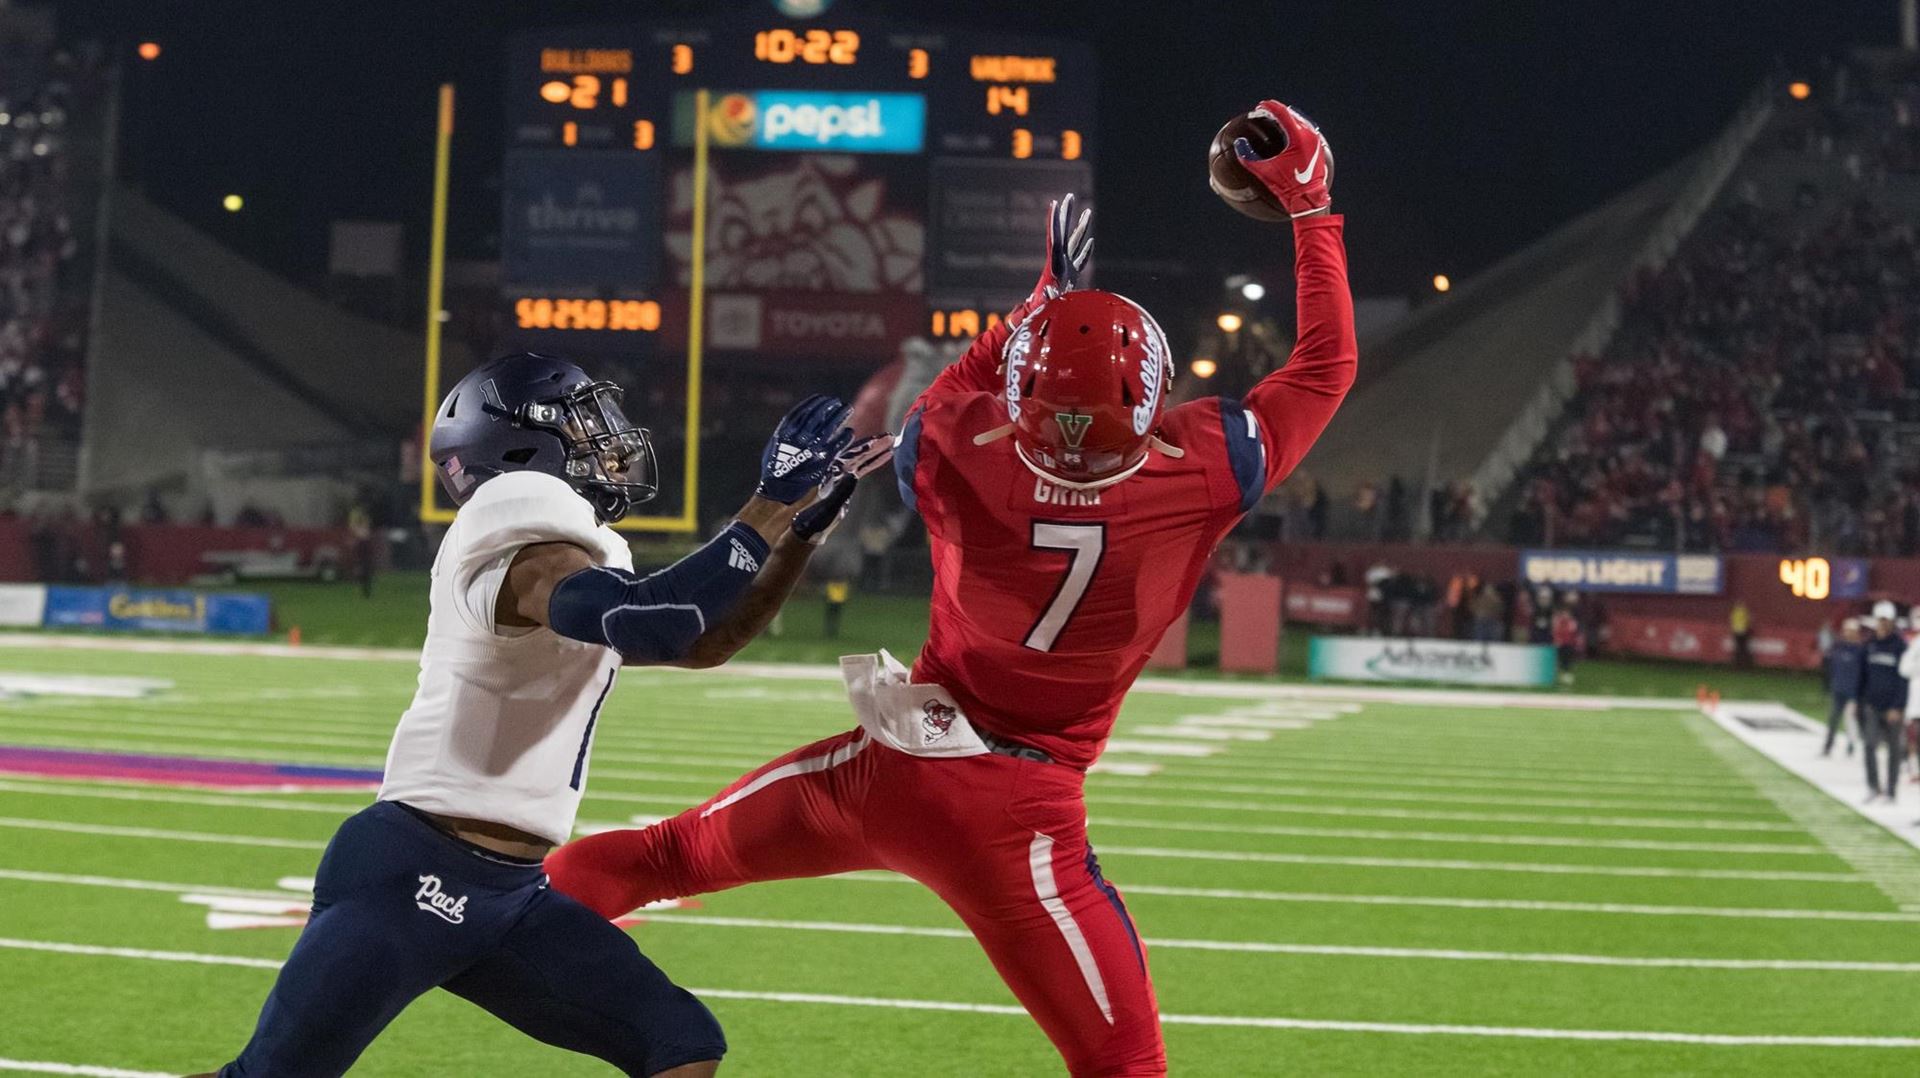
1910,669
502,723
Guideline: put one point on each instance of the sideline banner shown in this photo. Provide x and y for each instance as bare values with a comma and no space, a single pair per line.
156,610
1613,570
22,606
1326,606
1459,662
1710,642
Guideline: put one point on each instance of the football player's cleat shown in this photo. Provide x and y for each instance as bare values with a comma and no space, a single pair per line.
1299,176
1087,378
538,413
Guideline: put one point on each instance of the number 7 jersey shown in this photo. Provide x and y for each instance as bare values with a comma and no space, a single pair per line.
1047,601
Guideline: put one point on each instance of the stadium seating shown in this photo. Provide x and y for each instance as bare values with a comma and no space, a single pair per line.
50,115
1756,394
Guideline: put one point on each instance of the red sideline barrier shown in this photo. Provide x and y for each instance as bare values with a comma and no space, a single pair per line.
168,553
1249,623
1709,642
1327,606
1171,652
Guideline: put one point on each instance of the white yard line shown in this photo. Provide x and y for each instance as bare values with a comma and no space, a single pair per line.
1196,687
1232,894
1316,796
1426,771
1321,950
1538,868
119,883
1283,773
86,1070
168,796
1127,783
1211,893
1471,838
263,841
1241,1021
1665,823
136,952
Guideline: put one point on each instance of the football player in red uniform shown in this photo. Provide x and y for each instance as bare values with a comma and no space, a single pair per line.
1070,514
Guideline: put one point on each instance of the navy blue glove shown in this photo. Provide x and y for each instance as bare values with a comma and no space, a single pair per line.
802,448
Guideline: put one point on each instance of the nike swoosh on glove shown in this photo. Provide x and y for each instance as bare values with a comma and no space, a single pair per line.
1300,176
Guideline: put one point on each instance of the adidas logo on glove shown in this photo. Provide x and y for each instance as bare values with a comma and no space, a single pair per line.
788,457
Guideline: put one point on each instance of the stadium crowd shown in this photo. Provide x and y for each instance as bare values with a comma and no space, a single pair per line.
43,296
1751,396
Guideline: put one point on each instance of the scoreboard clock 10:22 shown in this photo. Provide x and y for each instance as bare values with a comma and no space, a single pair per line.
864,173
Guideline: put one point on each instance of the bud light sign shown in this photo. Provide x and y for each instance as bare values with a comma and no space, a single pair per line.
1603,570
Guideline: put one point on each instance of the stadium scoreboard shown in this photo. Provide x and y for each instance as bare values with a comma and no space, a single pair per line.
867,180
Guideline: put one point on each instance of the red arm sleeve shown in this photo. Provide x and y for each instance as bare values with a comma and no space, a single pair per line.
976,371
1293,404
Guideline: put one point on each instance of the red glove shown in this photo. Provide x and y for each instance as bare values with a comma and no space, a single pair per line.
1069,246
1298,176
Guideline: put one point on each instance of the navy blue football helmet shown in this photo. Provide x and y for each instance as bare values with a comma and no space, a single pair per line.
535,413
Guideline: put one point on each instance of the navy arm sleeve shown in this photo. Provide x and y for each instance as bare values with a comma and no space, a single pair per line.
1246,451
656,619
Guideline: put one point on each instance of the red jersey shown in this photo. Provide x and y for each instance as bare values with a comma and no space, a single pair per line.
1047,601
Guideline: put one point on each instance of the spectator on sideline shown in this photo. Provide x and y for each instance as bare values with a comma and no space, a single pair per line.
1566,640
1740,621
1487,614
1883,703
1846,663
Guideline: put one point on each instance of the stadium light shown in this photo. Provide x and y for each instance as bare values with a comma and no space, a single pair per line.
1441,282
149,50
1798,90
1203,367
1253,291
1229,322
232,203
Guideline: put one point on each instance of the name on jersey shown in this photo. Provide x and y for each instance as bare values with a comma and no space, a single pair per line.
1045,493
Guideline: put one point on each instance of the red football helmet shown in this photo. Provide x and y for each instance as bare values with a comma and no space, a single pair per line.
1088,375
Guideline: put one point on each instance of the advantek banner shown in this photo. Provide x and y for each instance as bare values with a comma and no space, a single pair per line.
1612,570
807,120
156,610
1459,662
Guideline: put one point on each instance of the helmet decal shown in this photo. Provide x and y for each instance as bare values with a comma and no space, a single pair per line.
1152,379
1073,427
1018,346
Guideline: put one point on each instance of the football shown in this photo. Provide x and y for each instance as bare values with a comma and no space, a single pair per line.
1231,181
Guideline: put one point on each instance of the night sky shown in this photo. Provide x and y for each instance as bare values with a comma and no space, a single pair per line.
1462,130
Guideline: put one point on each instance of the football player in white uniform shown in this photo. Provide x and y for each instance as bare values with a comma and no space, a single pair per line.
535,607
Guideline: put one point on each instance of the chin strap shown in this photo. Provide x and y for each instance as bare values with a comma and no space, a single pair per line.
1153,442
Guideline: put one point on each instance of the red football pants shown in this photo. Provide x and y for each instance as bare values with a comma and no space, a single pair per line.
1001,840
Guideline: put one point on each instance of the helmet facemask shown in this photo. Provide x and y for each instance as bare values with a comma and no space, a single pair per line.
609,459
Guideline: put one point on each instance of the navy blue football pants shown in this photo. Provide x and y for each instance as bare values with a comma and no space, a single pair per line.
401,907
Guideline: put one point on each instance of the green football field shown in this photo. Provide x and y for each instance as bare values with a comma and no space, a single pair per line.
1326,886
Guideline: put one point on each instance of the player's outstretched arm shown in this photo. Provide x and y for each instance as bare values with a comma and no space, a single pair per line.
1291,406
656,619
788,563
1069,247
